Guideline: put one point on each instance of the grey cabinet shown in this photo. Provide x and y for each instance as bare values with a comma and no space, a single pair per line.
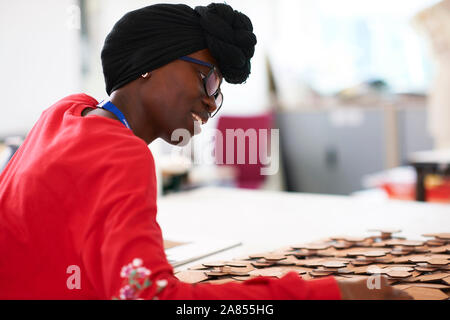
413,132
322,154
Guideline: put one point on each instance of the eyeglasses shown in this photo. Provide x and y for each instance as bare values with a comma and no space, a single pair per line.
211,82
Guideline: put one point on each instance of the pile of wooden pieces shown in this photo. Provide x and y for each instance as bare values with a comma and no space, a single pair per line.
421,268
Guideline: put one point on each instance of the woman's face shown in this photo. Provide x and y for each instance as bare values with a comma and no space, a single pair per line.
174,92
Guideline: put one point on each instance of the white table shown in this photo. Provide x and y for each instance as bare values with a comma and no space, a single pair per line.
267,220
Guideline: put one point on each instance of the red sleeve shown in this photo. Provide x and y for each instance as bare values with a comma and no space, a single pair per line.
124,257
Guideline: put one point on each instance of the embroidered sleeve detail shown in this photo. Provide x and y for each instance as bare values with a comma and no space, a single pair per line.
137,279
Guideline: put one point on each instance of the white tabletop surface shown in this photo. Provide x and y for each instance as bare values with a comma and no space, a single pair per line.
267,220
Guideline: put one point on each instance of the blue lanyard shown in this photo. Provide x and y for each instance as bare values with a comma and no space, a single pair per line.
108,105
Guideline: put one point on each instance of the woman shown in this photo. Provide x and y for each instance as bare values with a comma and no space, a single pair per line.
78,200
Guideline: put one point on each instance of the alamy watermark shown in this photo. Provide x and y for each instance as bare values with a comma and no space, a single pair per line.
236,146
374,280
74,280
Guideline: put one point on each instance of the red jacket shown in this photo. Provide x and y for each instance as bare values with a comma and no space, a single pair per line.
78,219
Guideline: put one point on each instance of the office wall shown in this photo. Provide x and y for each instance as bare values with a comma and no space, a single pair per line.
39,59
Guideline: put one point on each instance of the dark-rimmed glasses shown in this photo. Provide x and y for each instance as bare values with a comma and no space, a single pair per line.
211,82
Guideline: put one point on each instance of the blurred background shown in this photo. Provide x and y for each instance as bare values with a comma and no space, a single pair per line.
355,87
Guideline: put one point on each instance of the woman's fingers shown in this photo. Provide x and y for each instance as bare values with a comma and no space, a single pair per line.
401,295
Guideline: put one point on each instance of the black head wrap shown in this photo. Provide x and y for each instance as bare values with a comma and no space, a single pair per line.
150,37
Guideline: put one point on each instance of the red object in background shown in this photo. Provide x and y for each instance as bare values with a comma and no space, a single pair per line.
400,191
435,192
248,174
439,191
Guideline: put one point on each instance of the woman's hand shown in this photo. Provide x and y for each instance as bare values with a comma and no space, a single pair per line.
359,290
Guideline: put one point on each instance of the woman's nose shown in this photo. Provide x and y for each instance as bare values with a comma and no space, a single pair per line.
210,104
